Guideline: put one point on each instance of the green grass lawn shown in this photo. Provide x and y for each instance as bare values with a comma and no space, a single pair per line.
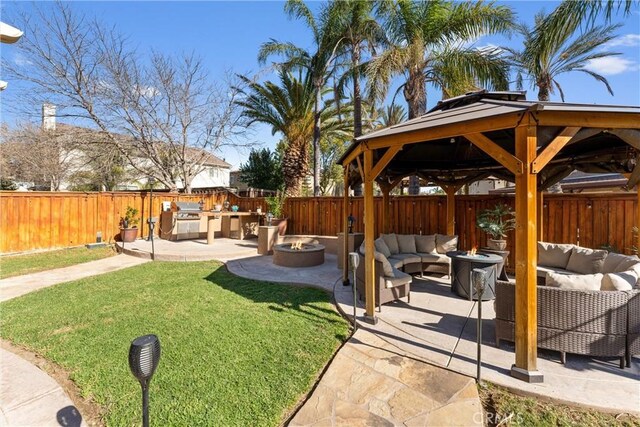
234,351
32,263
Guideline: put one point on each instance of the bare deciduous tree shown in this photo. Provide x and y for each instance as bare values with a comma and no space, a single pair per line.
163,114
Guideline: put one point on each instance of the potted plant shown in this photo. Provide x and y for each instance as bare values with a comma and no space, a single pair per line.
275,206
496,222
128,225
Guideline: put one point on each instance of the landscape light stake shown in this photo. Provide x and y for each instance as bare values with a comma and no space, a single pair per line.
151,181
144,356
479,281
354,261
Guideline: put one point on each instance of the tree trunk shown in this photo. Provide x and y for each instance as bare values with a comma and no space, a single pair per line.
316,138
295,164
415,93
544,85
357,105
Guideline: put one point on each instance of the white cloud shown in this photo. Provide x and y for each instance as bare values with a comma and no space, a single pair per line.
628,40
20,60
612,65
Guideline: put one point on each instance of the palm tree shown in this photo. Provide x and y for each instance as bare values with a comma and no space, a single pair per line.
543,58
571,14
391,115
288,107
427,46
421,49
359,32
320,63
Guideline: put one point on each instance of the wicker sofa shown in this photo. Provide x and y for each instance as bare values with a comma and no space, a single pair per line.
399,256
588,302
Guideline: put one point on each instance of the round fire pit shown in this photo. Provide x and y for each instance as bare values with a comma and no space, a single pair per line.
307,256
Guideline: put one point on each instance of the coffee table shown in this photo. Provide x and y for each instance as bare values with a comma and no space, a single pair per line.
462,265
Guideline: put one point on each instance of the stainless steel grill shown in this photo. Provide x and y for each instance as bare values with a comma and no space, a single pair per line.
184,218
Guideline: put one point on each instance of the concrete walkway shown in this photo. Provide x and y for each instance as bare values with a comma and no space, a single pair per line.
20,285
30,397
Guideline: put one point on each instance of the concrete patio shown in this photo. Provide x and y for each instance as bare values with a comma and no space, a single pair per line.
437,327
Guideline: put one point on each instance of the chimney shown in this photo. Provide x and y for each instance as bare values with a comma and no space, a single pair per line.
48,117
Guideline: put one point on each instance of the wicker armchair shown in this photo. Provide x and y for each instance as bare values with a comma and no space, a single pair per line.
592,323
633,335
383,294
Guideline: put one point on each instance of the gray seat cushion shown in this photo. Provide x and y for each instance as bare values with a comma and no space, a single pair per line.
398,279
396,262
405,259
542,271
434,258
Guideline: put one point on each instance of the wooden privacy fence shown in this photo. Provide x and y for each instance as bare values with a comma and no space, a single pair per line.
46,220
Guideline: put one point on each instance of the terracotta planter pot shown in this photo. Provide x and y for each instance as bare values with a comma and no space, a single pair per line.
498,245
282,225
128,234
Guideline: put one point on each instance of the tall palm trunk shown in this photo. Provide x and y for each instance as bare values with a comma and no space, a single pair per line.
415,94
357,104
316,136
295,164
543,89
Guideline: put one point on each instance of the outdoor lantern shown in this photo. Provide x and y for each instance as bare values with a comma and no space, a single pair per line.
479,279
226,205
350,221
269,218
144,356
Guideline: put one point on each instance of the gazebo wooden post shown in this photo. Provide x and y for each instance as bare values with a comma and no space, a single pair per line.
369,230
345,229
540,214
526,322
450,190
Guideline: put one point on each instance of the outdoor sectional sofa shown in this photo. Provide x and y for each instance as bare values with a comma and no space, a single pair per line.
397,256
595,312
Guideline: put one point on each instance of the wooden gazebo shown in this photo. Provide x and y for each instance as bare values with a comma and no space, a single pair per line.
501,134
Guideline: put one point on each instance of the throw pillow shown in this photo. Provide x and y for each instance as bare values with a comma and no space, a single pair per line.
446,243
612,261
586,261
386,266
553,254
624,281
629,263
582,282
406,243
392,243
426,244
382,247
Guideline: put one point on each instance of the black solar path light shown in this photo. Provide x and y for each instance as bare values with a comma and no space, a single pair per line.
479,280
354,261
144,356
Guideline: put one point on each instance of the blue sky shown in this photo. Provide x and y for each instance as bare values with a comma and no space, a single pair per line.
228,35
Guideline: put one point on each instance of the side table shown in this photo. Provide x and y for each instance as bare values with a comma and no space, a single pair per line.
502,271
462,265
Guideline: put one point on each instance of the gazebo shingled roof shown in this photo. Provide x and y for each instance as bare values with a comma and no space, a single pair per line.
467,138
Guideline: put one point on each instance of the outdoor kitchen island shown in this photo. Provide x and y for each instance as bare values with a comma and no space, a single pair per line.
232,225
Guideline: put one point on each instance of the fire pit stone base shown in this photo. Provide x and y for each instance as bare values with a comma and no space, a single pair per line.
308,256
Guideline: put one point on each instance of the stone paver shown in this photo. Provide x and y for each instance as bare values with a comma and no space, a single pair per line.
20,285
30,397
370,383
440,328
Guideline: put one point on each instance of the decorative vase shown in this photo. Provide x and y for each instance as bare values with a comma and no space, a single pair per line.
497,245
128,235
282,225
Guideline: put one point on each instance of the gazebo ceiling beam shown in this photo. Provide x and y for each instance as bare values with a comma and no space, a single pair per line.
634,179
353,155
360,170
553,148
385,159
496,152
630,136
